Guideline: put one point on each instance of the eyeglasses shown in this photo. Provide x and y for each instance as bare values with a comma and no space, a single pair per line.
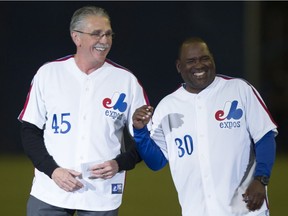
98,34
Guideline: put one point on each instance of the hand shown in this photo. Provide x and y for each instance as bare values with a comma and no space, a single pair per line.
142,116
66,179
104,170
255,195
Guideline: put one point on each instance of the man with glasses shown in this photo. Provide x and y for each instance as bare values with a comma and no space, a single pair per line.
73,122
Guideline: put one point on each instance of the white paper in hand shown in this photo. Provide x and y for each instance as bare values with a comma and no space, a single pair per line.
86,170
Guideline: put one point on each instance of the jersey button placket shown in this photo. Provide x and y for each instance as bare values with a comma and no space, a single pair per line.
83,118
203,146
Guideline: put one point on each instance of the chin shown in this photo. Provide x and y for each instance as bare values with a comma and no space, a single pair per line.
100,58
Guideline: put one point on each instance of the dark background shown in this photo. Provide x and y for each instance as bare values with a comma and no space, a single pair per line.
248,39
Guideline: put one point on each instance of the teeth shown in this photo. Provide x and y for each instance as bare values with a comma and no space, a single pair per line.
101,47
199,73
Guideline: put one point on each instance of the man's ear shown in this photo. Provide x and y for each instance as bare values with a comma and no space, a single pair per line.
178,67
76,39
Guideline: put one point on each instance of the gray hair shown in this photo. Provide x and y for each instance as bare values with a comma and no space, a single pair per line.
79,16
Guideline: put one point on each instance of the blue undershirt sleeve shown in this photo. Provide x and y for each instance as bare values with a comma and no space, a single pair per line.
265,150
149,151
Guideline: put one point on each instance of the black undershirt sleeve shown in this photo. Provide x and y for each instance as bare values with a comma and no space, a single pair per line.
35,149
128,159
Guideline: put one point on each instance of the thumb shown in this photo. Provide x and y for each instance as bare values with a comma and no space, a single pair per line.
74,173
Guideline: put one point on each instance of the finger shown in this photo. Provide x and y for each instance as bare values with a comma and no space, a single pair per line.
101,168
96,167
66,186
103,175
140,115
254,204
72,178
107,176
109,172
65,179
74,173
144,107
147,110
96,174
78,184
69,182
73,184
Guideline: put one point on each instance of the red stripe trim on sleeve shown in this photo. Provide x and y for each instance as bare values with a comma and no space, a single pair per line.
25,105
255,93
263,105
109,61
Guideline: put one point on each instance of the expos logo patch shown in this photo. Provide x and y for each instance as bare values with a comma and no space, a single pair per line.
230,115
115,105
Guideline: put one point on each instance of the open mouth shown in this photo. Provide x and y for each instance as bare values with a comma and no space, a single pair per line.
199,74
101,47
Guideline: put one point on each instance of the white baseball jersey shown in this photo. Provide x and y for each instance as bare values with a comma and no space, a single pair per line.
206,138
83,118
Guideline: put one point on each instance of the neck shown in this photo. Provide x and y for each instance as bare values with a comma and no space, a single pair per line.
87,66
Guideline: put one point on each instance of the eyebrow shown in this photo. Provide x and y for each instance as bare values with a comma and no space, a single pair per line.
99,31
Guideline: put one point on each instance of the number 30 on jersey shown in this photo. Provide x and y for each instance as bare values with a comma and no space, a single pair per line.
185,145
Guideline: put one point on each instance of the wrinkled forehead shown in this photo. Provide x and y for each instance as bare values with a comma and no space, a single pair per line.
93,22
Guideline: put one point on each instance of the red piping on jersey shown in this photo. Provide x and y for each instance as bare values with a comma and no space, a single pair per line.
64,58
257,96
28,95
109,61
26,102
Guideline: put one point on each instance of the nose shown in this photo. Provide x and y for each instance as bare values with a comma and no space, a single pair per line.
102,35
198,63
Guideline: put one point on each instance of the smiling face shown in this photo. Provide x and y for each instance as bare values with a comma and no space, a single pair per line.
93,40
196,66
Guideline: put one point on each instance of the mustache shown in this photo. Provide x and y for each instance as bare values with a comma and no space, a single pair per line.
102,46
